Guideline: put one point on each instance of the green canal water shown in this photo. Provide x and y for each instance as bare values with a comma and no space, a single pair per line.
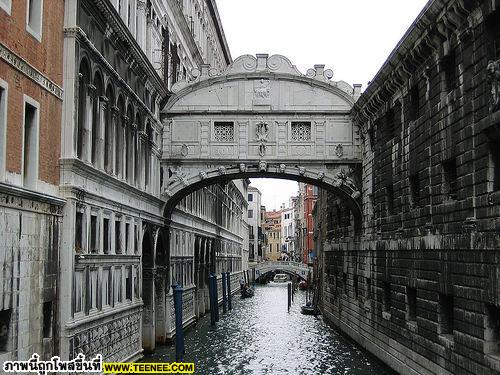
259,336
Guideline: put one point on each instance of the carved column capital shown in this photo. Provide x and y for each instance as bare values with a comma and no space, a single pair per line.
92,90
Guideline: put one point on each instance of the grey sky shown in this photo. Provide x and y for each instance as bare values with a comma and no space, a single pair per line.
351,37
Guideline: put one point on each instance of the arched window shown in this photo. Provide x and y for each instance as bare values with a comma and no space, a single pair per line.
147,155
83,85
128,143
96,126
109,130
135,142
119,131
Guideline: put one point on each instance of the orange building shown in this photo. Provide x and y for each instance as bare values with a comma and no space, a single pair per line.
273,235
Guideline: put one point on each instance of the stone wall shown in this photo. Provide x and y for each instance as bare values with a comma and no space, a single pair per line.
420,287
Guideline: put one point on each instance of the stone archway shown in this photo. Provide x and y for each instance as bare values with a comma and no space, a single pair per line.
261,118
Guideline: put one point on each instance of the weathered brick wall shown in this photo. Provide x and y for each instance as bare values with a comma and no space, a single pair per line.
429,255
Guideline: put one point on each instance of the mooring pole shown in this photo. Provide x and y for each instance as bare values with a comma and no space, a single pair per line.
179,332
229,296
289,296
224,292
211,295
216,298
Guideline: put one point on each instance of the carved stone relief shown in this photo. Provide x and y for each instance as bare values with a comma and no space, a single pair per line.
262,135
493,70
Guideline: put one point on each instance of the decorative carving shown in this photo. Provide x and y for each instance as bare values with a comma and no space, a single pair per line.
262,166
321,175
282,168
343,178
302,171
262,134
184,150
493,70
222,170
203,175
180,175
261,89
243,168
339,150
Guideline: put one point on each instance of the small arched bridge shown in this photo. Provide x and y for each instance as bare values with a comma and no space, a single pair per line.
295,268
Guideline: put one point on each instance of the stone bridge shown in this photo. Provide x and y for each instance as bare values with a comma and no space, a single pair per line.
295,268
261,118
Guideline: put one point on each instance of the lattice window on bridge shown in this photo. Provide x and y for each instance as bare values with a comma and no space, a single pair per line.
301,131
223,131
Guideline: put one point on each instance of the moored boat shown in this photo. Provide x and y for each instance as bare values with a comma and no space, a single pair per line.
247,291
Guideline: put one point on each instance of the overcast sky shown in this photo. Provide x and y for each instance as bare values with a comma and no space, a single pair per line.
351,37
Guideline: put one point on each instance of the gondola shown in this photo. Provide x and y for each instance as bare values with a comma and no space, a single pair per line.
307,309
247,291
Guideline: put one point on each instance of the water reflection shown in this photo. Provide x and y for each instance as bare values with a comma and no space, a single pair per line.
259,336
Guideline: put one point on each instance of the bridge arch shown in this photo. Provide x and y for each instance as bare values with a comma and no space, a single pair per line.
261,118
292,268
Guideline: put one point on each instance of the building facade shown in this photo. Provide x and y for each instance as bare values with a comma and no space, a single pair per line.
420,287
306,199
121,57
273,235
30,210
254,224
288,235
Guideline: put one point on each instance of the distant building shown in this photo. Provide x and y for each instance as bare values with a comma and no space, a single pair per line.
288,229
273,235
308,195
254,224
262,232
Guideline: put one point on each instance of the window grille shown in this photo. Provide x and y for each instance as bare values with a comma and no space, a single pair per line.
224,131
301,131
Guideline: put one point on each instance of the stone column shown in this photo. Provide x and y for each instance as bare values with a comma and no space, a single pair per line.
103,105
132,159
123,153
141,24
114,137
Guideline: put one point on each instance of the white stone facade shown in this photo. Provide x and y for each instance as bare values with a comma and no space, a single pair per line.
254,223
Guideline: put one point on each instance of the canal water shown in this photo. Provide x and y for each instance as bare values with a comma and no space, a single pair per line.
259,336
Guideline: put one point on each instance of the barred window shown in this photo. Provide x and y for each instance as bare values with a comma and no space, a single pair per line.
224,131
301,131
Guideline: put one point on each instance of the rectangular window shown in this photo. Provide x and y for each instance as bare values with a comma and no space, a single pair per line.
30,145
94,237
250,214
106,282
34,11
93,289
47,319
492,332
414,189
450,179
136,282
387,296
446,305
118,284
301,131
250,197
118,237
448,64
78,302
411,304
414,103
223,131
494,165
3,126
356,286
344,282
389,200
127,237
6,5
79,232
128,283
5,316
105,236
